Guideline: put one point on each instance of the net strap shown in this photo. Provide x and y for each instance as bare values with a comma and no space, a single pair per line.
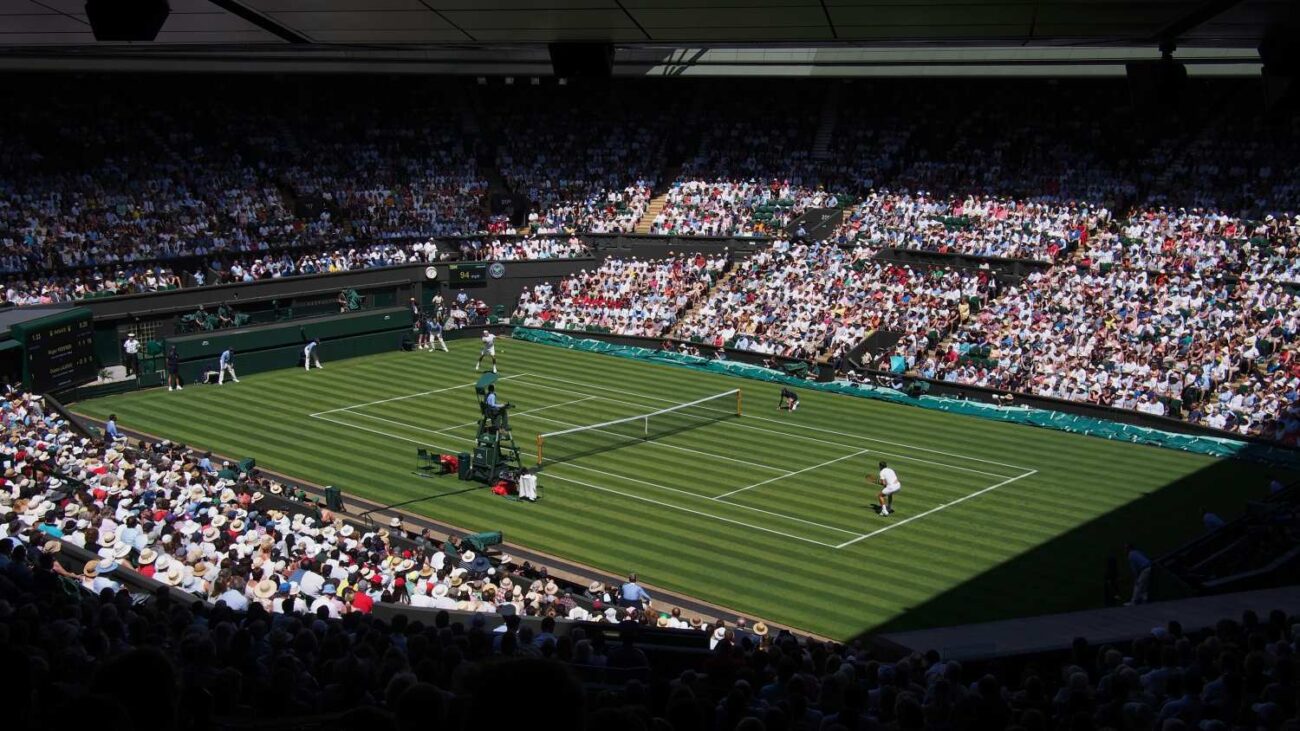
639,417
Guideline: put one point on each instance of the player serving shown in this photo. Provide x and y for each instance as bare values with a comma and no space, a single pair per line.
888,480
489,351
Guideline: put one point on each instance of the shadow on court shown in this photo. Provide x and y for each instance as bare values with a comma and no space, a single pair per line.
1067,573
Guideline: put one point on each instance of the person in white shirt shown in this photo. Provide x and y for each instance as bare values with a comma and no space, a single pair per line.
309,355
489,351
888,480
131,347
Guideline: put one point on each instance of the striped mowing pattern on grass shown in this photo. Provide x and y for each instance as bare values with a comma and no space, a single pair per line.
769,513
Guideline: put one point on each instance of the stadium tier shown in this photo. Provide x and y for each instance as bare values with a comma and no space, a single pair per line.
649,366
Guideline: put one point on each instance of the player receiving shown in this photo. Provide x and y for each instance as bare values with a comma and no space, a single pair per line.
435,335
789,400
489,351
888,481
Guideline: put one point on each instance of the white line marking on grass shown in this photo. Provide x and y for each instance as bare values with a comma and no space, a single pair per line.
653,443
936,509
692,511
792,474
649,500
798,426
520,413
391,436
804,437
411,395
696,495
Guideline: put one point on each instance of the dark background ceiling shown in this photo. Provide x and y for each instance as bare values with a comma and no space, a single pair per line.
403,23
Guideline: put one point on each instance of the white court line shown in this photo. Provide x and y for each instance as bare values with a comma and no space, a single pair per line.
411,395
935,509
799,426
792,474
391,436
692,511
519,413
652,443
697,495
739,425
637,497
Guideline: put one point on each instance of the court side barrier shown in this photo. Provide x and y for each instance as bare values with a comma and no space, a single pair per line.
1073,423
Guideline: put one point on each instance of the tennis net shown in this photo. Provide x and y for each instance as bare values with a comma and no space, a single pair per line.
579,441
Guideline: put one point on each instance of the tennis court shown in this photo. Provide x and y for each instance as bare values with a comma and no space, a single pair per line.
768,514
768,462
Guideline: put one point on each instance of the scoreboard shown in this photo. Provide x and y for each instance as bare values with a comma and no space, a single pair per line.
58,350
467,275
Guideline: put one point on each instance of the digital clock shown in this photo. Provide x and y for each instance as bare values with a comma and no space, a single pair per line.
467,275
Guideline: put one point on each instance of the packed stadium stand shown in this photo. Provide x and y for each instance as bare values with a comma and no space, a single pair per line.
1040,259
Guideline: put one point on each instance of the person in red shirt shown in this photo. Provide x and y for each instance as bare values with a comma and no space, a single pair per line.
360,601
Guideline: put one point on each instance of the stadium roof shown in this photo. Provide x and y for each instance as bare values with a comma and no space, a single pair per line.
516,30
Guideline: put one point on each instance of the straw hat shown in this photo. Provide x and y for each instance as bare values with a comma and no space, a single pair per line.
52,547
396,522
265,589
172,576
551,589
147,556
468,557
759,629
210,533
91,569
440,590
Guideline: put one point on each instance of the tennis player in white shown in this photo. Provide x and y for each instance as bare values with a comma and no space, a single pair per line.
309,355
489,351
889,485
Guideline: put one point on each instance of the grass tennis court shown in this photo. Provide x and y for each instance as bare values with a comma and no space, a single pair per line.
768,514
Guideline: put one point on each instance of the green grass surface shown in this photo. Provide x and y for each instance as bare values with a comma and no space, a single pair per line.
994,520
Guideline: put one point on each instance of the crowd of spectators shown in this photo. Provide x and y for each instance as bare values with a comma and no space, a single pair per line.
528,248
643,297
1202,241
1214,350
973,225
735,208
84,651
819,300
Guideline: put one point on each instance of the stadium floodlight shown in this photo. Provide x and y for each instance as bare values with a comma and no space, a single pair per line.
580,441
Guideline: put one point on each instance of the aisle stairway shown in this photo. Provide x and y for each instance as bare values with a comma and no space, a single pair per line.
821,148
674,331
652,210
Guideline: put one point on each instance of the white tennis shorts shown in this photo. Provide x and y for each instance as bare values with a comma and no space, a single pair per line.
891,489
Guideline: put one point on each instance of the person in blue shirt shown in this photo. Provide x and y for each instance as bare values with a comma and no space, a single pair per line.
110,428
226,364
1140,564
435,335
632,595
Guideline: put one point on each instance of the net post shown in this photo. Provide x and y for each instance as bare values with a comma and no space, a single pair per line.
539,450
739,399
